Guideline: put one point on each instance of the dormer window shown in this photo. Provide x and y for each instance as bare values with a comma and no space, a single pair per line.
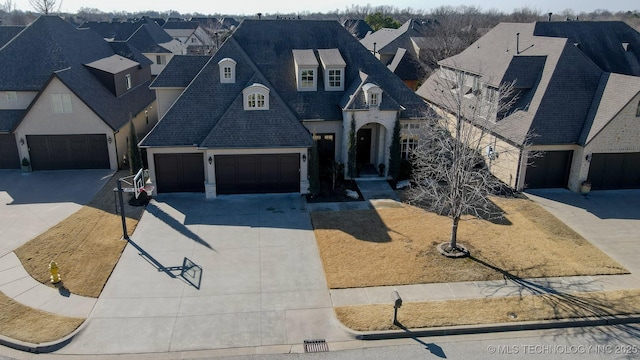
227,71
127,81
333,65
306,67
372,94
256,97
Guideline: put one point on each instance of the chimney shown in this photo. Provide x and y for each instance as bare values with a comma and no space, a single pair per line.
374,48
550,16
259,16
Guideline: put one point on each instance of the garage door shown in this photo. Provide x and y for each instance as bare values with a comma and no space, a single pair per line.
550,170
250,174
179,172
63,152
615,171
9,158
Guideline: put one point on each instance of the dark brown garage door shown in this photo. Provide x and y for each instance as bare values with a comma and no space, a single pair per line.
179,172
550,170
63,152
9,158
615,171
264,173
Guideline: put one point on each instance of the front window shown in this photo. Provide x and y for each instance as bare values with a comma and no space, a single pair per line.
307,78
335,78
255,101
407,144
61,103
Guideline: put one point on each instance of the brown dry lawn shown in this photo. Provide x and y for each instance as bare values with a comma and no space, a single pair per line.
86,245
397,246
34,326
491,310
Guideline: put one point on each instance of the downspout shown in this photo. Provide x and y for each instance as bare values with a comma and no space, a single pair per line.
517,184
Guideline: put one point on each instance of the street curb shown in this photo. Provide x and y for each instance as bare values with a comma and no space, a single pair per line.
41,348
502,327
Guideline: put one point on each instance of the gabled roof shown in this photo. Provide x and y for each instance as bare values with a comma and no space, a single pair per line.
614,92
143,34
9,32
49,44
181,25
387,41
357,27
122,48
180,71
263,50
601,41
9,119
556,82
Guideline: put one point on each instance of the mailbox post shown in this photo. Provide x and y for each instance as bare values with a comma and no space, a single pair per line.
397,303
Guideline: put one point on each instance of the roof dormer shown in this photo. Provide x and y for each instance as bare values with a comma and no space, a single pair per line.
227,71
306,67
372,94
256,97
333,66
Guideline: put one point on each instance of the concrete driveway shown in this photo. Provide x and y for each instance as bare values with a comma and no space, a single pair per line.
31,203
262,280
608,219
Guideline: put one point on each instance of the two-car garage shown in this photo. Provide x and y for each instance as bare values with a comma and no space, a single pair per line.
234,174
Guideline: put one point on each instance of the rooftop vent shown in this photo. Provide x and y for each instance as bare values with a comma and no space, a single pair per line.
625,46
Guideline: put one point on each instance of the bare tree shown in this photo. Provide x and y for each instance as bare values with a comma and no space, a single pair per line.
46,7
451,161
8,6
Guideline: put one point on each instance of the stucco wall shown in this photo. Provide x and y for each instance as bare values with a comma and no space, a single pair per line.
41,120
165,99
23,99
142,124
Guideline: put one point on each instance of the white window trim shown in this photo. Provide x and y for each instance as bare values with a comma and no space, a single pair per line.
256,91
327,80
61,103
372,95
127,81
161,60
314,83
227,63
12,96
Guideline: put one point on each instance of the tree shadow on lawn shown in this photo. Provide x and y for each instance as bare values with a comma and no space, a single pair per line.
548,290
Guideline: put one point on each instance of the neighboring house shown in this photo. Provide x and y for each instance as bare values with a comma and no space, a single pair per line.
66,98
357,27
247,116
578,94
143,34
191,34
399,49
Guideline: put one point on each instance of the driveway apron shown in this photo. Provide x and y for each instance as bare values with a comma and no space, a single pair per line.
262,281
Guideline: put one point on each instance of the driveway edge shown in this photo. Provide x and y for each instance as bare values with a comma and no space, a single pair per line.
502,327
41,348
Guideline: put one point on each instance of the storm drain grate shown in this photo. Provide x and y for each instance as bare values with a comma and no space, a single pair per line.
314,346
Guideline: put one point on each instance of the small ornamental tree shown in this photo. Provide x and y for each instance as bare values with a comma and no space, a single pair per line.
395,157
314,170
135,158
351,163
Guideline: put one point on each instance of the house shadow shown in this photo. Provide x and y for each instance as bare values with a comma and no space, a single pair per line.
604,204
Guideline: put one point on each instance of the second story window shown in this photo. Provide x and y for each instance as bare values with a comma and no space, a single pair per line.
161,60
307,79
373,99
12,96
256,97
335,78
227,71
127,81
61,103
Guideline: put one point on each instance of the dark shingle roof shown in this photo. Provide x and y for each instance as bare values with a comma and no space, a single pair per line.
9,119
263,52
47,45
181,25
122,48
143,34
9,32
601,41
180,71
556,82
357,27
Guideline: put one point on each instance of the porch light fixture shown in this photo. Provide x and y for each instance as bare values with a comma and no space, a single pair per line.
304,158
210,160
21,141
109,140
588,157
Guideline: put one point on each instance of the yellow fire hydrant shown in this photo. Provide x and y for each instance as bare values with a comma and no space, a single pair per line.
55,276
